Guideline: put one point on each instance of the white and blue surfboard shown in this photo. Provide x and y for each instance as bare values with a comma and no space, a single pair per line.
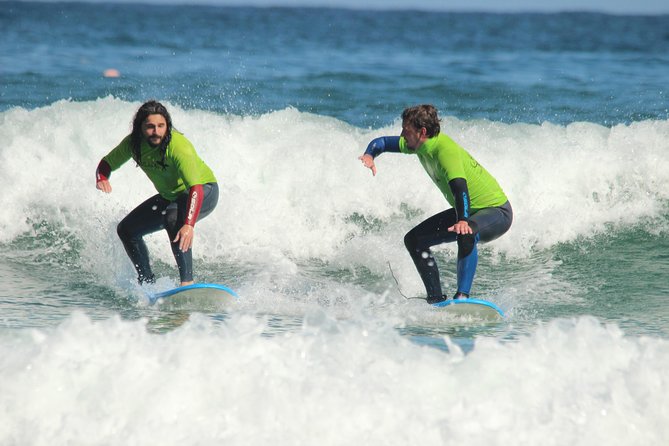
475,308
199,296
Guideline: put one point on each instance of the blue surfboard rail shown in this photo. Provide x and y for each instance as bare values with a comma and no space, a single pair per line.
470,301
163,294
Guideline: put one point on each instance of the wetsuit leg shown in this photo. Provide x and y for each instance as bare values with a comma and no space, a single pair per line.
418,241
144,219
468,258
493,222
175,216
488,224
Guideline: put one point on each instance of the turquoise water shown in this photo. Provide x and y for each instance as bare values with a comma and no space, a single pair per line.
568,111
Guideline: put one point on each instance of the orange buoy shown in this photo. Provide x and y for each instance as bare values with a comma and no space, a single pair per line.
111,72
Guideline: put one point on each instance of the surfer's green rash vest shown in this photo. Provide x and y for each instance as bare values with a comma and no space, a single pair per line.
183,167
444,160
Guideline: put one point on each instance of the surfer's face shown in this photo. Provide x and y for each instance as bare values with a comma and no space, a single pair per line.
154,128
413,136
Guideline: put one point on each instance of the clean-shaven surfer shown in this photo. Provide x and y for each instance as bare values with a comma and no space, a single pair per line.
481,211
187,189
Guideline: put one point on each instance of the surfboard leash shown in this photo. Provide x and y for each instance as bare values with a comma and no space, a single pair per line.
399,289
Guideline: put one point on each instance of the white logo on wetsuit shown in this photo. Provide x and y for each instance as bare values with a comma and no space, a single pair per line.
193,204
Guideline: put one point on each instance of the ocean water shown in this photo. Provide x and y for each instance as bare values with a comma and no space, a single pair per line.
569,111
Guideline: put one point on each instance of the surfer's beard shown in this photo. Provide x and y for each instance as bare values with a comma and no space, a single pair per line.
152,144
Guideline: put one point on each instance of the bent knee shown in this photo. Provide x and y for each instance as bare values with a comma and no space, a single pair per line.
121,230
410,241
124,231
466,244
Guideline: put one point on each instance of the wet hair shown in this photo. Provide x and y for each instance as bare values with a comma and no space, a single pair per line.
149,108
420,116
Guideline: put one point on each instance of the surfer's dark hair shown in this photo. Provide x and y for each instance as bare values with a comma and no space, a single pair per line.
420,116
149,108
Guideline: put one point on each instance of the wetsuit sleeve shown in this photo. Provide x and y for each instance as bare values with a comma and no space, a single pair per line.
383,144
103,171
195,197
461,195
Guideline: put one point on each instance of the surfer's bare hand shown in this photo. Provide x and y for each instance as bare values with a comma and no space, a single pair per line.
185,238
461,227
368,161
104,186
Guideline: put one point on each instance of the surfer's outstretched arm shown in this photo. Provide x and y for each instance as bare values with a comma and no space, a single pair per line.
378,146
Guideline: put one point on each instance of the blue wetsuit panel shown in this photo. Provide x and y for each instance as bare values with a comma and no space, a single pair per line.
383,144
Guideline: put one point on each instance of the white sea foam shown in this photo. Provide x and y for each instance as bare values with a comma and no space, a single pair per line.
571,382
290,179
